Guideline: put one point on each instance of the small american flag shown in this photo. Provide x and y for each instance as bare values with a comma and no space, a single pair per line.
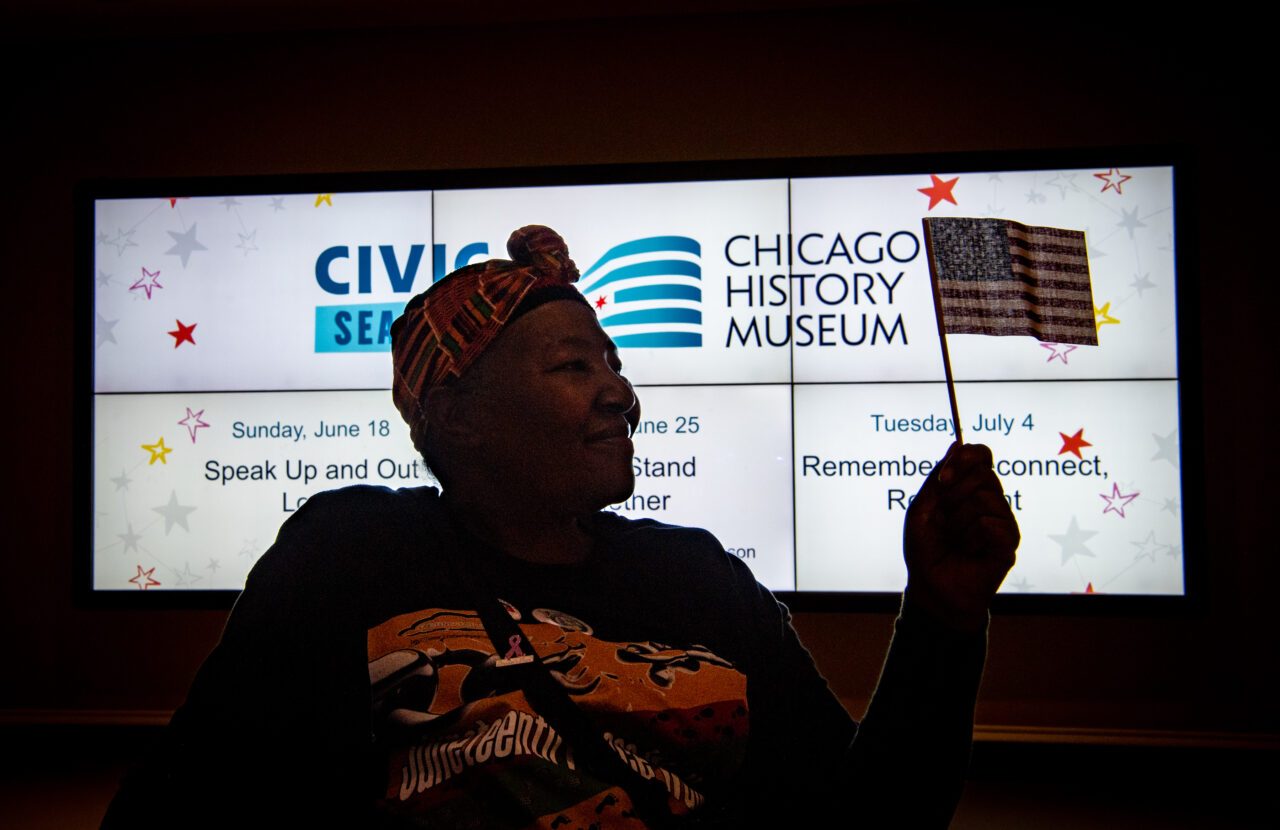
1001,277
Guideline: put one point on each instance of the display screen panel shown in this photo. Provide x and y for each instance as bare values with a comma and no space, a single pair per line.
778,324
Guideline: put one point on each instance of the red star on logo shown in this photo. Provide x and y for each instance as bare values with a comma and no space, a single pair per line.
1073,443
183,334
173,200
1121,178
144,579
601,301
939,190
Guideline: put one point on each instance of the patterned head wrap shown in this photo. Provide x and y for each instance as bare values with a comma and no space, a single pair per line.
446,328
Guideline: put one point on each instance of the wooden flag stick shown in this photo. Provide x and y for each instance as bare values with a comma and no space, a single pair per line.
942,330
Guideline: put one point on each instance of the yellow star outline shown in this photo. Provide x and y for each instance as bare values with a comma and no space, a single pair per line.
1103,314
158,451
327,198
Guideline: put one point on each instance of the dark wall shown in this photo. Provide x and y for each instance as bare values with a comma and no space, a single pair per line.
868,81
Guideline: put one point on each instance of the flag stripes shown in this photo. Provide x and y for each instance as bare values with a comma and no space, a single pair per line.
1003,278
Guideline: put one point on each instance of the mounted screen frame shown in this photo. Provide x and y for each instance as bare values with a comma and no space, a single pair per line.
305,192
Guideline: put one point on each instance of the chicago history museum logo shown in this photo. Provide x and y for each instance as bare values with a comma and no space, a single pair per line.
648,292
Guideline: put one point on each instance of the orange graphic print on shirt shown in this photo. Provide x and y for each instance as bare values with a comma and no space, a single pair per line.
465,747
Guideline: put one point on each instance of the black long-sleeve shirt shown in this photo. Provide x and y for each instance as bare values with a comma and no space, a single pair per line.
354,681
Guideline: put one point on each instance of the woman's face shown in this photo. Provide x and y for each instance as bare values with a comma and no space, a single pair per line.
554,412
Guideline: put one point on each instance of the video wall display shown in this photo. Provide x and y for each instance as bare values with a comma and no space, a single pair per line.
780,333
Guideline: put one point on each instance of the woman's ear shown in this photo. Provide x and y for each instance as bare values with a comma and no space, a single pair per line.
443,413
449,416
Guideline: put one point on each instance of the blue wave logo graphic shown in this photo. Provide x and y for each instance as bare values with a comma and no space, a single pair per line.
648,292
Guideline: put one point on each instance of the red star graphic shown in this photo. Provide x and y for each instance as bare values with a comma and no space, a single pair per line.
601,301
146,575
173,200
1117,501
939,190
1088,589
1121,178
183,334
1073,443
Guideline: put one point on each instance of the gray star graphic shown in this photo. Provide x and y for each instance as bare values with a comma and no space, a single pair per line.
122,481
1142,283
123,240
1173,550
184,244
230,202
1170,506
1062,181
1147,547
103,238
103,277
103,330
129,538
249,548
213,565
1021,584
277,203
185,576
174,513
247,242
1130,222
1035,197
1072,542
1168,448
994,177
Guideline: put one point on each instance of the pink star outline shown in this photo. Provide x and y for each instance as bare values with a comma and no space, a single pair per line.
1117,496
1058,351
146,575
147,286
192,422
1112,185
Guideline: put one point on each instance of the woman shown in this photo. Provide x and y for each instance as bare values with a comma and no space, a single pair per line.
509,654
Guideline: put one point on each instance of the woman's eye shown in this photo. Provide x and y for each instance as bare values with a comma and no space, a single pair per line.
573,365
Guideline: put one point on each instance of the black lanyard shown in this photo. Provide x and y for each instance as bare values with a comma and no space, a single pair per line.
467,559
